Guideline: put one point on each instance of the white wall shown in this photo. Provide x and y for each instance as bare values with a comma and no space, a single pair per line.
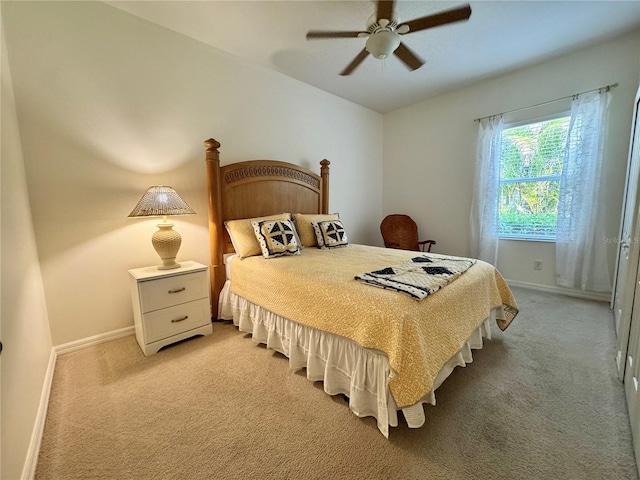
430,149
25,329
109,105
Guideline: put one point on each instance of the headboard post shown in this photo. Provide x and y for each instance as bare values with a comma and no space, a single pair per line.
216,268
324,173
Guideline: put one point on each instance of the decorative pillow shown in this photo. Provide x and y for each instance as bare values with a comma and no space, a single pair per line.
276,238
330,234
305,229
244,238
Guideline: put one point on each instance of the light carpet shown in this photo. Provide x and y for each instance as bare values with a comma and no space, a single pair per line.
540,401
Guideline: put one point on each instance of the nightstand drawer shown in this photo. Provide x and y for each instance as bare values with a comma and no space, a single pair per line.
170,321
173,290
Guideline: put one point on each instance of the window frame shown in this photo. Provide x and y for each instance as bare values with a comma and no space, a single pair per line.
514,124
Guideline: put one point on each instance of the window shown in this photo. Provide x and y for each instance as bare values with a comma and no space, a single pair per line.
549,188
531,159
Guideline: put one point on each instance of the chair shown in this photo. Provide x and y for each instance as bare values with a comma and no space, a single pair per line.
400,231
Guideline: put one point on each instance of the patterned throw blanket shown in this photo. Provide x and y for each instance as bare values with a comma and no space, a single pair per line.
419,277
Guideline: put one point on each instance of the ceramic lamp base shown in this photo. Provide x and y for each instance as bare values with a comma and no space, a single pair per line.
167,242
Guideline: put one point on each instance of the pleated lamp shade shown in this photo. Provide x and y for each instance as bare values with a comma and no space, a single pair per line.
162,200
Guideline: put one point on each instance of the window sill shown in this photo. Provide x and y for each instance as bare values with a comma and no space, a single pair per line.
528,239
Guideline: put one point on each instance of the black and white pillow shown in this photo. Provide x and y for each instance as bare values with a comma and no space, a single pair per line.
276,238
330,234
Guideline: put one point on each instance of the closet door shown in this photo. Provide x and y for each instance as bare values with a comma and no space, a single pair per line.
632,371
628,247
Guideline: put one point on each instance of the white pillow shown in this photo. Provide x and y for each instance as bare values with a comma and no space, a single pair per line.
276,238
330,234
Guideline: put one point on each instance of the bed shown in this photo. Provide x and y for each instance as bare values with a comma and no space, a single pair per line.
386,351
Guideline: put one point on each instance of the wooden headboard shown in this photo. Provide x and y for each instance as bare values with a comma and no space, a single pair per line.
253,189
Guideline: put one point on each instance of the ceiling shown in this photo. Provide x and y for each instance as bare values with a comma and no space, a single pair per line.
500,36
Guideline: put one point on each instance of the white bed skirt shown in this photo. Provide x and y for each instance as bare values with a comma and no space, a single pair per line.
342,365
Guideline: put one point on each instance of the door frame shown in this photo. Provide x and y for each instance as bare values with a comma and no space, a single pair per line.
627,289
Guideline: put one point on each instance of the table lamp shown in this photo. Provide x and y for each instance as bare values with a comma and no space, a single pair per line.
163,200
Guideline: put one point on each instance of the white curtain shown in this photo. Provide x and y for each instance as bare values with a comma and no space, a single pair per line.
581,256
486,190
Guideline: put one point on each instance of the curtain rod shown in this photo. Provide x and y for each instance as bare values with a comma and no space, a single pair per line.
607,88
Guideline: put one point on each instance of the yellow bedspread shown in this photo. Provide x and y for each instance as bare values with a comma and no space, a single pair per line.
317,289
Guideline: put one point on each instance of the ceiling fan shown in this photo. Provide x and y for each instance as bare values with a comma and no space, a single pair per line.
383,34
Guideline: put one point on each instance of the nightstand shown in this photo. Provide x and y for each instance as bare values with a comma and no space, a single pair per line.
170,305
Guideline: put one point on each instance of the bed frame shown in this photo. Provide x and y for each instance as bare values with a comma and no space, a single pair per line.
255,188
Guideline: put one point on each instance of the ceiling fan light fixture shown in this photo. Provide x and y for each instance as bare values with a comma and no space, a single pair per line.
384,34
382,44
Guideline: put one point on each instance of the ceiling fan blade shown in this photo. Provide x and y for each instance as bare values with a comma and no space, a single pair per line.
385,10
448,16
355,62
328,34
409,58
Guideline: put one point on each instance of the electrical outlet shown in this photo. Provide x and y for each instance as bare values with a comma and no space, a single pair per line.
537,264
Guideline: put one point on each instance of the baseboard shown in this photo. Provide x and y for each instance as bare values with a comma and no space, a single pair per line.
31,460
601,297
95,340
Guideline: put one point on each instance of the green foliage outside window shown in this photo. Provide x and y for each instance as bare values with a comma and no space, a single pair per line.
530,167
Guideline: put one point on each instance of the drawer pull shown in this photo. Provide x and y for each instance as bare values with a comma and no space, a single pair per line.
178,290
180,319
